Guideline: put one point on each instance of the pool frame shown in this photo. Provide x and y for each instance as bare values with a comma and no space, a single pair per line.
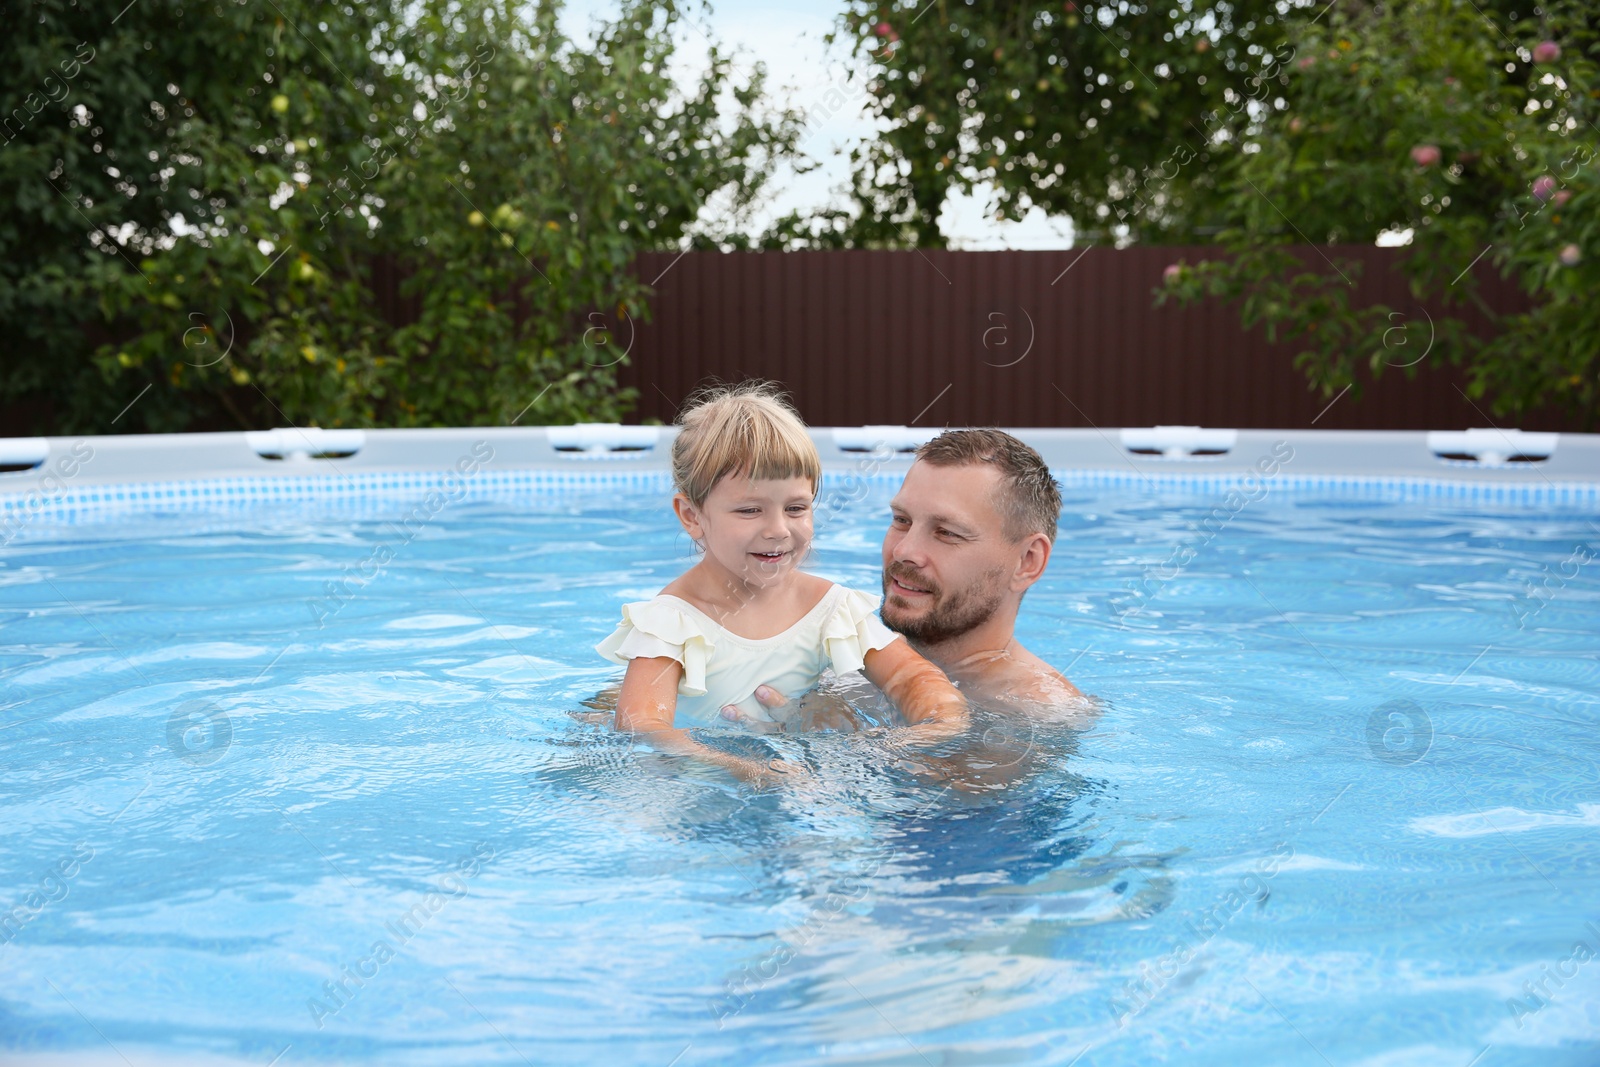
68,478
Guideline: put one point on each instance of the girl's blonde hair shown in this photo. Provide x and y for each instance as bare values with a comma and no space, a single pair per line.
749,429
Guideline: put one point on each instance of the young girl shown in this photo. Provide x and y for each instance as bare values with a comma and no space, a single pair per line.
746,475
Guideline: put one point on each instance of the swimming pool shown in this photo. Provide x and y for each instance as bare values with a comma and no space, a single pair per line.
304,778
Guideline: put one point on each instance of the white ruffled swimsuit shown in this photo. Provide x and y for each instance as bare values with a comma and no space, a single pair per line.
721,668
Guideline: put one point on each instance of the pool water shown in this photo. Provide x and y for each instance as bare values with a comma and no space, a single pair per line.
283,785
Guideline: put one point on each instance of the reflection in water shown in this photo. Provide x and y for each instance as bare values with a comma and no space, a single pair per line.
924,887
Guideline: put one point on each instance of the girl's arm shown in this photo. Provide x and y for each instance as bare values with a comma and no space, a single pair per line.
935,709
646,706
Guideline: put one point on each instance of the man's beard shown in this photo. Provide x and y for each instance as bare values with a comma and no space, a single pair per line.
949,617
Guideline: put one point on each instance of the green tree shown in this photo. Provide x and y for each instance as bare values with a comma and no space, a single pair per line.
1108,113
1260,127
209,206
1473,132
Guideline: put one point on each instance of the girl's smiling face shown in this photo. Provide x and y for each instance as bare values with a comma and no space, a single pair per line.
756,530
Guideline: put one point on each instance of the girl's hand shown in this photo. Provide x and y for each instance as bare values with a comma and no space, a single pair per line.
776,772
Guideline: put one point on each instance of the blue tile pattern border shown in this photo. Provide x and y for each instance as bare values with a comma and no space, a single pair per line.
1581,495
98,503
1577,495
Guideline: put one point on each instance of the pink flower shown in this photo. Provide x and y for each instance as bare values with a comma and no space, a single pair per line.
1570,255
1543,187
1170,275
1307,63
1425,155
1562,196
886,31
1546,52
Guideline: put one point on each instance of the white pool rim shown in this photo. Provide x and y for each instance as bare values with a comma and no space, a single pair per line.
71,476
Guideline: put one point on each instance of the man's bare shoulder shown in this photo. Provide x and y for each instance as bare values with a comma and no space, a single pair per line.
1020,680
1046,680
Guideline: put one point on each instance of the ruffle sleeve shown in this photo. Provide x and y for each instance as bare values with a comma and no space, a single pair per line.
660,628
853,630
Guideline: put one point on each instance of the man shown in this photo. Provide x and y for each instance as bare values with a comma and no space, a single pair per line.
971,531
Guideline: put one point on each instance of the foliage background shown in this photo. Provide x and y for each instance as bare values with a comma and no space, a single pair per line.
291,211
211,200
1258,126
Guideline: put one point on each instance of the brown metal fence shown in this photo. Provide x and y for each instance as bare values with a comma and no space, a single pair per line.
1065,338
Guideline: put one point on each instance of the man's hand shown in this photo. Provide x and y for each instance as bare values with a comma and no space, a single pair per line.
767,697
820,709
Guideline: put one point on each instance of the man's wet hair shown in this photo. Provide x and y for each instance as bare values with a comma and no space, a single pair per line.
1029,498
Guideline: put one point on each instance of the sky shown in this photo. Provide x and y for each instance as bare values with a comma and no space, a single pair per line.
801,72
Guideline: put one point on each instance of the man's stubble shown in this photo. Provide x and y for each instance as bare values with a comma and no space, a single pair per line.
952,614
